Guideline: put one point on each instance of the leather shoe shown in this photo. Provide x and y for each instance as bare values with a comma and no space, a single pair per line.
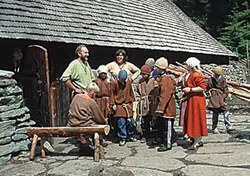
143,140
156,141
82,139
132,139
163,148
122,142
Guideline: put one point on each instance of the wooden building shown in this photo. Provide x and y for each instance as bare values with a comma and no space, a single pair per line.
44,34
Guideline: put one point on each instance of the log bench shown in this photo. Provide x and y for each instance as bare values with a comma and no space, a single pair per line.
97,130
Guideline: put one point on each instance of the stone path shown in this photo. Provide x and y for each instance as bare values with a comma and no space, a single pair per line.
222,155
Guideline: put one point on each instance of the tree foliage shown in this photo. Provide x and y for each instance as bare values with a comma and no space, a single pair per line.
225,20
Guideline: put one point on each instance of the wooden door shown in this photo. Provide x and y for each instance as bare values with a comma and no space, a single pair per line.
35,81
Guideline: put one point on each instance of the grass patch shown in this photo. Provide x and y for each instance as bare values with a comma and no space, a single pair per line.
133,151
178,173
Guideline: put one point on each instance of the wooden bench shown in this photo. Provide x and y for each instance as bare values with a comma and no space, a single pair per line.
97,130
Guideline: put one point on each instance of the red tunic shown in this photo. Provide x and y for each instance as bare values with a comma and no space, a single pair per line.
195,122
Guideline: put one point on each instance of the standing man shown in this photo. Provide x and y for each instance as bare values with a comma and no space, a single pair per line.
78,74
218,89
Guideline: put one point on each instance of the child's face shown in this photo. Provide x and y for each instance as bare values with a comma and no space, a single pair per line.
145,76
122,81
216,75
159,70
103,75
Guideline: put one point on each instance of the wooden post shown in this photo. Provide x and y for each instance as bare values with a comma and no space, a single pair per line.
33,147
42,147
101,147
97,147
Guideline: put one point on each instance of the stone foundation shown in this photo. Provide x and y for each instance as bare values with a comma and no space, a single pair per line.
14,118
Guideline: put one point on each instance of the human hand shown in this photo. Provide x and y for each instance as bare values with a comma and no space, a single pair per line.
114,107
186,89
106,121
158,113
78,91
183,99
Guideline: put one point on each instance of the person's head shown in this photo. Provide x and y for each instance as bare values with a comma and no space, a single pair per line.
122,76
161,64
145,71
92,88
193,64
82,52
217,71
156,75
102,71
120,56
151,63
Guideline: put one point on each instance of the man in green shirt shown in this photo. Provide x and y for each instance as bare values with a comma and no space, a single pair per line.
78,74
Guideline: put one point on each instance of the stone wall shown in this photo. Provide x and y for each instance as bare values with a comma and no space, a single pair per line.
14,118
233,72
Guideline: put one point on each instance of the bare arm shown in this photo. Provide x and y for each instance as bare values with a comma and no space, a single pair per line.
71,86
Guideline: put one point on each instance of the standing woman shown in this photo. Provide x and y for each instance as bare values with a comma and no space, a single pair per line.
195,125
121,63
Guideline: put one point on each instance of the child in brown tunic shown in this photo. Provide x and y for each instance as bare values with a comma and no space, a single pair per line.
103,96
166,109
145,87
122,98
218,89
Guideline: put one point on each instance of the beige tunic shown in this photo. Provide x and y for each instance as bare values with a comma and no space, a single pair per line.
84,111
147,95
130,68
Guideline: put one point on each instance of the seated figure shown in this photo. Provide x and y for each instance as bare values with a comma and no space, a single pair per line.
84,111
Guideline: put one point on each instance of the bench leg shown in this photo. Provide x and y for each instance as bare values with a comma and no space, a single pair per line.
33,147
42,147
97,147
101,147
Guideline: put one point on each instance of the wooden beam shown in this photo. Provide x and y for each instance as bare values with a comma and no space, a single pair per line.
240,93
42,147
68,131
97,147
33,147
101,147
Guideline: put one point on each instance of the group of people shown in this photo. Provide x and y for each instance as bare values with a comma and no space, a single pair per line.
105,98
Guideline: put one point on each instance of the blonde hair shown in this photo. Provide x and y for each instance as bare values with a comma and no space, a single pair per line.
197,69
92,88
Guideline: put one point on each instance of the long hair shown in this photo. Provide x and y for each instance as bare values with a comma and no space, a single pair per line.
123,52
197,69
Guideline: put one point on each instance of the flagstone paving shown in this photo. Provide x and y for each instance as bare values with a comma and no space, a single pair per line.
222,155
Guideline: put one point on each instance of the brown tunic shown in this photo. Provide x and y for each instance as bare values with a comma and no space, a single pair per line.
123,97
167,104
146,90
84,111
218,93
103,96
